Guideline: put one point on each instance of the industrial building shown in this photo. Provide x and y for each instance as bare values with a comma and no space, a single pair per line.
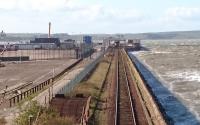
34,46
48,40
133,44
56,41
68,44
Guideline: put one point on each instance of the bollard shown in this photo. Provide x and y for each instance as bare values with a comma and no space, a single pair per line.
45,100
14,100
32,90
10,102
35,89
49,95
24,94
42,85
21,96
39,87
29,91
17,98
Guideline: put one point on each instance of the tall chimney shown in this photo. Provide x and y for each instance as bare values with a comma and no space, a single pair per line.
49,36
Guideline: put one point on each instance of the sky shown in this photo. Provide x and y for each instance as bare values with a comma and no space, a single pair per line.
99,16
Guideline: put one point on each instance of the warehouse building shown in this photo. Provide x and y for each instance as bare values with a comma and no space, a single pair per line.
56,41
34,46
68,44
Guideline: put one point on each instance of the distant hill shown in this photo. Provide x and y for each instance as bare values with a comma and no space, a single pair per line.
167,35
159,35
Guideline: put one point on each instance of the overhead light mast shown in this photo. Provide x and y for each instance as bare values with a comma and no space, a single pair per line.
49,35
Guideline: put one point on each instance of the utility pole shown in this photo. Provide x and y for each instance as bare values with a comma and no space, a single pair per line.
52,82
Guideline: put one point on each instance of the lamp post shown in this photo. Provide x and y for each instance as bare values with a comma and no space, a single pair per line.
52,82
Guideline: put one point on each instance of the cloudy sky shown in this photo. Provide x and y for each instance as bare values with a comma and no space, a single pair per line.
99,16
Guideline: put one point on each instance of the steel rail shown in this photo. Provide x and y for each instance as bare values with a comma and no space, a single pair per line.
117,87
119,55
129,92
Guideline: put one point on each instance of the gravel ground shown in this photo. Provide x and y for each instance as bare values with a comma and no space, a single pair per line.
16,74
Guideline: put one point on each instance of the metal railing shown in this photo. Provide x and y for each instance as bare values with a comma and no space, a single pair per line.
44,85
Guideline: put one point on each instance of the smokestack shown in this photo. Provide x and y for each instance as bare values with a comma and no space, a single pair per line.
49,36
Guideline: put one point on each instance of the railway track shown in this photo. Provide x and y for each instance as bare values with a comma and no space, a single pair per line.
125,114
129,107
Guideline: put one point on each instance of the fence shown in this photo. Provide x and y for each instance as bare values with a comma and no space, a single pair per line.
70,85
39,54
17,98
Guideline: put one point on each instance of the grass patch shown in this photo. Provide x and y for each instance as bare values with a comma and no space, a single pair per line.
46,116
101,114
92,86
51,117
2,121
29,98
31,109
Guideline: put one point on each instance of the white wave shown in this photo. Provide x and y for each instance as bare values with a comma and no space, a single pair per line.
137,52
185,75
161,52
